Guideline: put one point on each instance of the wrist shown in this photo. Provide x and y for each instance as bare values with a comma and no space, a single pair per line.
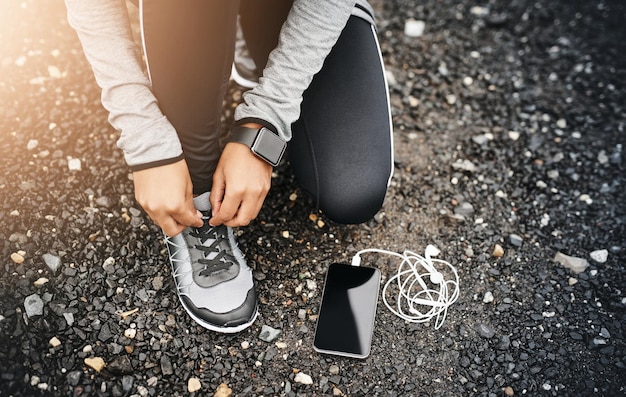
264,143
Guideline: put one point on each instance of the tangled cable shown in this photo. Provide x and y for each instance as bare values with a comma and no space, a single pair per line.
423,292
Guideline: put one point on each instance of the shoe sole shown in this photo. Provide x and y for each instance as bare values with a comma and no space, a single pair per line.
242,81
215,328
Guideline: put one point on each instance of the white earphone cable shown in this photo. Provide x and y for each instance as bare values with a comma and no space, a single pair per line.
423,292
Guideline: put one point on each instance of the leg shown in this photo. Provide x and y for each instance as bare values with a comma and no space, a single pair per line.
189,49
342,151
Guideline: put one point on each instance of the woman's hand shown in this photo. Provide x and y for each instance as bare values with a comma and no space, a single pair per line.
166,194
240,184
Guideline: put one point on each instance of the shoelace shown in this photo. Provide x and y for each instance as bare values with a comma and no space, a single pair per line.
223,259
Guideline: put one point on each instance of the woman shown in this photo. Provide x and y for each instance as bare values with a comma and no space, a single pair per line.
321,88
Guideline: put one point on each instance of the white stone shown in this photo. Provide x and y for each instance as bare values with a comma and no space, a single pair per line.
488,298
577,265
74,164
414,28
479,11
514,135
40,281
599,256
193,385
32,144
303,378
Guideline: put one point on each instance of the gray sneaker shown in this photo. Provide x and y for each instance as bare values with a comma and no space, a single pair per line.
213,281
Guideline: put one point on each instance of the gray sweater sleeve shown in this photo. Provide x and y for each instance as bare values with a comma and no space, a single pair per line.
147,137
309,33
103,27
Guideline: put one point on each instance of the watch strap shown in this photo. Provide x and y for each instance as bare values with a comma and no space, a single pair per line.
245,135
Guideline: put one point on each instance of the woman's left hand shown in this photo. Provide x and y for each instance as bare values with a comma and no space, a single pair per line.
240,184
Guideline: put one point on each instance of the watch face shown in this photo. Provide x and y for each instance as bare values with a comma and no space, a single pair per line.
269,146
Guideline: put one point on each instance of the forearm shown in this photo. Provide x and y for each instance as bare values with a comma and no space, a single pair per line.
309,33
104,31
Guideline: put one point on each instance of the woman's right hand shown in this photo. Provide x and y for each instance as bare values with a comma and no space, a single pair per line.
166,194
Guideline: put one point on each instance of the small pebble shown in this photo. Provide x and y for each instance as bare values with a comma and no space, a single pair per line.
32,144
40,281
414,28
577,265
485,331
55,342
269,334
488,298
17,258
508,391
33,305
223,391
97,363
130,333
498,251
193,385
303,378
516,240
513,135
245,345
52,261
599,256
74,164
108,265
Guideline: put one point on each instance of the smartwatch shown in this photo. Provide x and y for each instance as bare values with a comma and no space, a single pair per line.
262,141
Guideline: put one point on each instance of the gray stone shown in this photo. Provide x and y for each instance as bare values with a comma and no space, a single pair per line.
485,331
33,305
74,377
269,334
516,240
166,365
52,261
464,165
464,209
577,265
69,318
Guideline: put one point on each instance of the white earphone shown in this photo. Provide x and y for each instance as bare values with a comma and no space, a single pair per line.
423,291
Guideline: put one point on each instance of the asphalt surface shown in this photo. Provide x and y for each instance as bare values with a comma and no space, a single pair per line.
509,123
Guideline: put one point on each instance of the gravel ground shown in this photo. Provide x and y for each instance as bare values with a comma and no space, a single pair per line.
509,131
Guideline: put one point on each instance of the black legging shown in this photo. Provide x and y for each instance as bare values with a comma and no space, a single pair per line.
341,149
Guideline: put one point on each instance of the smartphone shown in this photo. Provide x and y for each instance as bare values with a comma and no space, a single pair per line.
345,324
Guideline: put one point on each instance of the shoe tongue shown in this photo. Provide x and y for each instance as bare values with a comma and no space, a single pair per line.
202,202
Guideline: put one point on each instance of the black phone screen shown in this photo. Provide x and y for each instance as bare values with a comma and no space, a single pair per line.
348,310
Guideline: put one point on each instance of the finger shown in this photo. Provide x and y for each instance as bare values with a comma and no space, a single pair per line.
189,217
217,194
248,210
227,211
170,226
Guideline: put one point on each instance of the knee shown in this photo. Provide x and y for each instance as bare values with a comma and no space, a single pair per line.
353,203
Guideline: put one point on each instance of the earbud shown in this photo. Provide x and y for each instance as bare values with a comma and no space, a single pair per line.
436,277
429,252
